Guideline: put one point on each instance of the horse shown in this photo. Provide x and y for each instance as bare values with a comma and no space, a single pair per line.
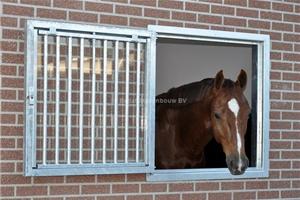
190,116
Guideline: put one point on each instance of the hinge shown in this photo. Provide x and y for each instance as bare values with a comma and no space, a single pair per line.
135,37
30,96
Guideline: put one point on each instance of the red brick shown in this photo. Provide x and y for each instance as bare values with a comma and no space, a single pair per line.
125,188
7,167
17,10
244,195
282,7
281,86
291,18
9,21
184,16
224,10
111,19
139,197
167,197
9,46
207,186
170,23
232,185
99,7
290,154
257,185
292,57
194,196
234,21
14,179
79,198
51,13
11,154
80,179
128,10
280,145
282,26
114,197
271,15
280,184
95,189
275,56
281,105
195,6
154,187
140,22
84,17
37,2
111,178
259,24
47,180
13,58
7,191
218,196
259,4
64,189
290,194
246,13
150,12
210,19
12,82
11,130
136,177
31,190
273,35
143,2
282,46
170,4
236,2
68,4
12,34
196,25
290,174
179,187
7,142
267,194
280,125
282,66
291,37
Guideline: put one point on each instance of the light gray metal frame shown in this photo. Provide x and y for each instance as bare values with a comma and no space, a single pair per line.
263,66
105,33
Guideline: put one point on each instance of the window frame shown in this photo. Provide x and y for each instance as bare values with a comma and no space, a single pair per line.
30,167
152,33
262,43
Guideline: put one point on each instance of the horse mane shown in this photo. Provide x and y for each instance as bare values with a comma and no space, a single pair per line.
191,92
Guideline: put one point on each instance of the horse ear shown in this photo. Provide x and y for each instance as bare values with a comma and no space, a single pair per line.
242,80
219,79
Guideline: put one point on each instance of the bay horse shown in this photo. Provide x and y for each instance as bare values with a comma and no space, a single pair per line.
189,116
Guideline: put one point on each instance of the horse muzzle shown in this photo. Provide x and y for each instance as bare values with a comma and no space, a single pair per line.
237,165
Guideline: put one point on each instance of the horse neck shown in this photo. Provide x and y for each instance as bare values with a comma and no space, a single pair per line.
197,134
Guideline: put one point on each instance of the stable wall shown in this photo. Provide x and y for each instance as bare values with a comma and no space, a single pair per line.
279,19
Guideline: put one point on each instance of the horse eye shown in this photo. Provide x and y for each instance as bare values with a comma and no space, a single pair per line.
217,115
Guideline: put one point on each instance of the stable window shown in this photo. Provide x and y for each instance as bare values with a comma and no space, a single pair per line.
90,98
87,91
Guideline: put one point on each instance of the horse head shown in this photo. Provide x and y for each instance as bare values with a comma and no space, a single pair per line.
229,116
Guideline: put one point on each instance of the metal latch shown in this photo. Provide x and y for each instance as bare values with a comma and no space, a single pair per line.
30,97
135,37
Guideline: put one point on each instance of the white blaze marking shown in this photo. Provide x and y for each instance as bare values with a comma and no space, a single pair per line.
234,107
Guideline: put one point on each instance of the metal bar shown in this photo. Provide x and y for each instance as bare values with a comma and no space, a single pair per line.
116,102
137,114
126,101
81,100
104,101
69,119
57,99
45,99
198,38
93,103
99,37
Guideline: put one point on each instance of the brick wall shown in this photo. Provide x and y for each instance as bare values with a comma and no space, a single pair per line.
279,19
